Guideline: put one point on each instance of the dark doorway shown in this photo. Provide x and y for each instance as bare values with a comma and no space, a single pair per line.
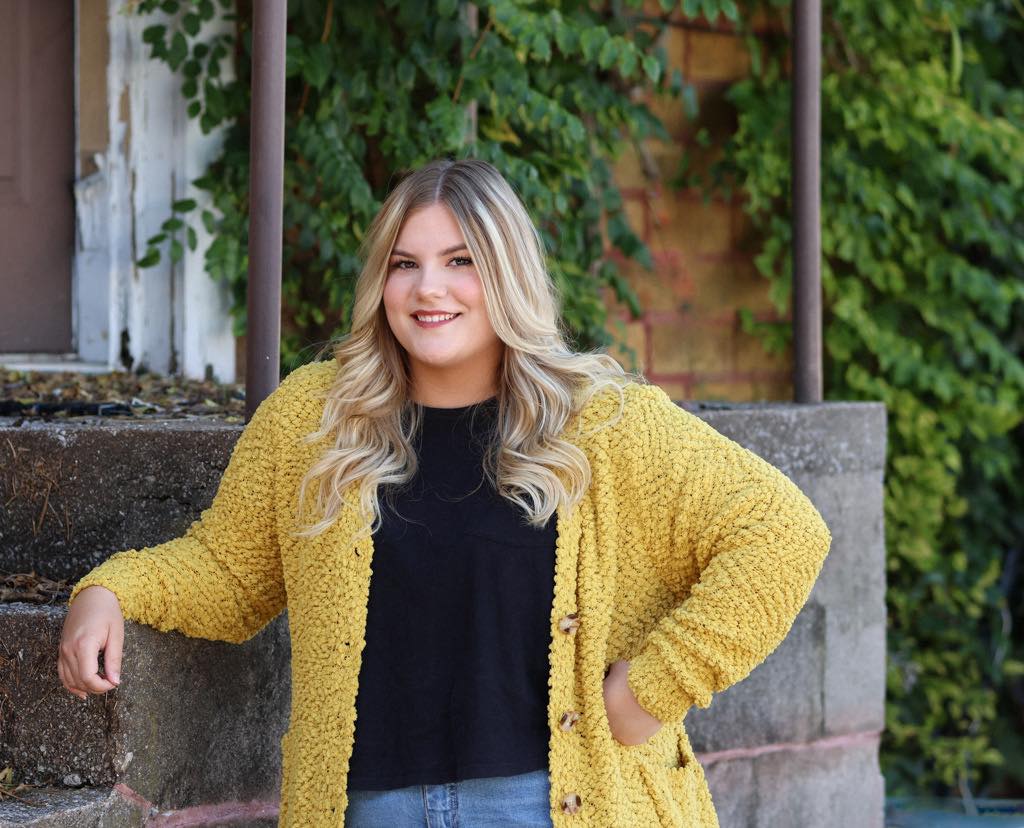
37,170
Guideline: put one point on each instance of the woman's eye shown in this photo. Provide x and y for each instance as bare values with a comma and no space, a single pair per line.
398,265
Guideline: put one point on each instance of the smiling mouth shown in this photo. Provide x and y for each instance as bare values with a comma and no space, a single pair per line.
431,319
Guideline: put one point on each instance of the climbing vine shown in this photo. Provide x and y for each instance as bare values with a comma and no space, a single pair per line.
545,92
923,281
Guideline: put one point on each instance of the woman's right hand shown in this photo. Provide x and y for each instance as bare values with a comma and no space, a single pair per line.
94,622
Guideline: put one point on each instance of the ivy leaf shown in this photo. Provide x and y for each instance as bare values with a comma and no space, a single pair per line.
592,40
151,259
177,52
406,73
652,67
154,34
317,65
628,61
710,9
191,23
567,38
541,47
608,54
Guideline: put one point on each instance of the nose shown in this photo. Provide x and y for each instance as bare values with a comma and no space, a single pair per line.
432,281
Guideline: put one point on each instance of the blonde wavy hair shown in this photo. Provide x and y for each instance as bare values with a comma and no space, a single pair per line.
369,419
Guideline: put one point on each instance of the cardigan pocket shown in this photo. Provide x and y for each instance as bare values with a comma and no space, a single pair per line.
675,794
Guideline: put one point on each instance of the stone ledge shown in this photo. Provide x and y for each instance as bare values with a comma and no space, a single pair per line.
815,438
193,720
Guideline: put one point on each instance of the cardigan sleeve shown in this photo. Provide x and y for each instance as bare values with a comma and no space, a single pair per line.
222,580
757,544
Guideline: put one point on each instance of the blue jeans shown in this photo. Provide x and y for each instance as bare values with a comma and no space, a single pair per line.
493,802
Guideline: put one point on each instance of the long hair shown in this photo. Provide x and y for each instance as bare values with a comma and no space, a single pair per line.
369,420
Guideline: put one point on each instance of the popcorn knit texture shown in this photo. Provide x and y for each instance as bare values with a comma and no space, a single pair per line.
690,556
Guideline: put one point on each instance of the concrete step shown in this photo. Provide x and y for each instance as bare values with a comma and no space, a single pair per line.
73,492
52,807
193,722
104,807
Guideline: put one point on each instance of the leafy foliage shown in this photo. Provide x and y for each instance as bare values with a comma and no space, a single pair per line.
923,280
385,86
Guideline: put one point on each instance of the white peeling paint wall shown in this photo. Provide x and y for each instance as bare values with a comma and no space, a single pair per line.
171,317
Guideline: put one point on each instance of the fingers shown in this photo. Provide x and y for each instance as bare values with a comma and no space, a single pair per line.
68,668
88,652
112,653
78,665
62,672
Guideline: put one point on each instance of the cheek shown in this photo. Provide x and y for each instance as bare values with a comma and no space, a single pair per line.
393,301
393,298
482,321
471,294
390,292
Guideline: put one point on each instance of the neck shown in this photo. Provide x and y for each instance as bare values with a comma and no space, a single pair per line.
454,393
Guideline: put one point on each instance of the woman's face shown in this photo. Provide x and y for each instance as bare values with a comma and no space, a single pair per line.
431,275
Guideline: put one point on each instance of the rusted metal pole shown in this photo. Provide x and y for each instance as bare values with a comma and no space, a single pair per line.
805,162
266,197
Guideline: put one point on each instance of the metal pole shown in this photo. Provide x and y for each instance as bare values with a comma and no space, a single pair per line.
805,163
266,197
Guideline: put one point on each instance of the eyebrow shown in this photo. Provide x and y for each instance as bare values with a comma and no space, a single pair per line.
397,252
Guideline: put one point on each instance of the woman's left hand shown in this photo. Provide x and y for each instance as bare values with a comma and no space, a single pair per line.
629,722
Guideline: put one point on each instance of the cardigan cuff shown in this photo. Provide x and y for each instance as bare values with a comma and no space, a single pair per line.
656,688
117,574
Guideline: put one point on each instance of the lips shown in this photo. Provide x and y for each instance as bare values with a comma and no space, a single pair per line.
436,324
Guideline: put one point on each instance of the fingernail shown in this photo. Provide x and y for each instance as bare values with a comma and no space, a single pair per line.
114,677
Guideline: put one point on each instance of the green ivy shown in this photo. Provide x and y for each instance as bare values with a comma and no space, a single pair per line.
923,281
377,87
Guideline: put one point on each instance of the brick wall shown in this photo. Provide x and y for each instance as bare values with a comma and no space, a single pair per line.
689,339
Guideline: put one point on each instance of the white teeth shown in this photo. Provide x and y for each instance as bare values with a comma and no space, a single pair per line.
437,318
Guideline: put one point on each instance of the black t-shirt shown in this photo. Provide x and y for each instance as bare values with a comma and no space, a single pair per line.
454,677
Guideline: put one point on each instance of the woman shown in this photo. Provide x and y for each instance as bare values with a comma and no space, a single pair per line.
563,560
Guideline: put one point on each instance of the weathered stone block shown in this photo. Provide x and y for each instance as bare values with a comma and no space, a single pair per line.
72,494
193,721
836,785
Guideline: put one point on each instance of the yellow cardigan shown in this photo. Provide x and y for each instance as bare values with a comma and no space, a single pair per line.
689,555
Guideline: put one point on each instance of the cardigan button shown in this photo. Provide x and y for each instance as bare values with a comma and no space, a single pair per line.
569,623
569,718
571,803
